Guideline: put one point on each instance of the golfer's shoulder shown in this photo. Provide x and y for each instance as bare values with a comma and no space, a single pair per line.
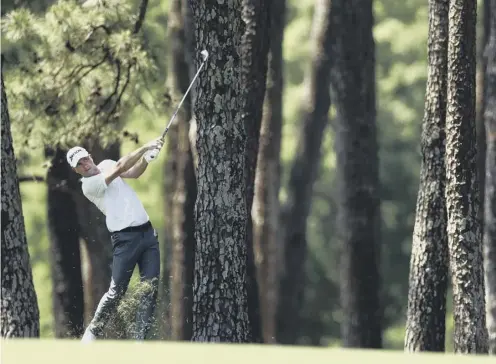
106,164
93,185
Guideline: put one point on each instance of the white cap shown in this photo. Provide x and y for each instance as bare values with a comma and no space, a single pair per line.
75,154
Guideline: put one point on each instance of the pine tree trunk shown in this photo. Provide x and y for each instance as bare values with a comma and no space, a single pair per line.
254,50
19,308
184,194
303,174
220,308
170,177
265,209
353,85
462,189
490,179
63,226
428,281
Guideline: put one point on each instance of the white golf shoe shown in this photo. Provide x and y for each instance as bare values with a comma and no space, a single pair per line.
88,336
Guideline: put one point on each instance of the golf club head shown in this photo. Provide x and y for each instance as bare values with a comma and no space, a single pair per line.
204,54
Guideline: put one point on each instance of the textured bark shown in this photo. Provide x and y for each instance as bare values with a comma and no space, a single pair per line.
19,313
95,235
265,209
220,308
254,50
302,177
490,178
184,194
462,189
63,226
353,85
428,280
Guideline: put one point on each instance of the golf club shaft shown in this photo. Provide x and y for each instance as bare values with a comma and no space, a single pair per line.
182,100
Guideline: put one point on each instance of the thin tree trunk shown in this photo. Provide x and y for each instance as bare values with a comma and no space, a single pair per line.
303,174
67,291
462,189
490,178
170,177
184,194
190,57
353,85
265,209
254,50
19,313
220,308
428,281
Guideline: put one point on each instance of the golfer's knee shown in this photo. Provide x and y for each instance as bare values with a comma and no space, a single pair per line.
116,291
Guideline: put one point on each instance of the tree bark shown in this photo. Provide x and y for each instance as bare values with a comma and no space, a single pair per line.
428,281
19,304
254,50
302,177
489,238
265,209
184,193
63,226
220,308
353,86
462,189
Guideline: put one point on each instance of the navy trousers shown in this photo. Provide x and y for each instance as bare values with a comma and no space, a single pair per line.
131,247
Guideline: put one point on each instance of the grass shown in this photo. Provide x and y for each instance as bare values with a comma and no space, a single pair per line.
51,351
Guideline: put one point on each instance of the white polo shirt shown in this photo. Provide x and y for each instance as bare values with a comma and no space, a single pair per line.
117,201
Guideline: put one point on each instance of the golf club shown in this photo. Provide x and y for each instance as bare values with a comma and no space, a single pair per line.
204,55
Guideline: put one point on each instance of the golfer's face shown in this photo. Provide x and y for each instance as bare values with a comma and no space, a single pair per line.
86,167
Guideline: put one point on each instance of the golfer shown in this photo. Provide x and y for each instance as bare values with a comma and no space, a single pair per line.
134,240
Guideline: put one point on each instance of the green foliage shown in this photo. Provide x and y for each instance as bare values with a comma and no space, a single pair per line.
79,70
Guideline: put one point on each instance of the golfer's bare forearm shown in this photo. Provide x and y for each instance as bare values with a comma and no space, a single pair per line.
137,170
130,160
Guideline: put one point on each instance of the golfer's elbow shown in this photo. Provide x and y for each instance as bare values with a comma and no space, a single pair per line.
120,168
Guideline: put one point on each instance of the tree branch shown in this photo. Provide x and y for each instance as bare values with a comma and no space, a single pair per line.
32,178
141,16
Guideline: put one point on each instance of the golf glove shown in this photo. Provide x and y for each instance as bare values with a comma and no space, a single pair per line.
151,155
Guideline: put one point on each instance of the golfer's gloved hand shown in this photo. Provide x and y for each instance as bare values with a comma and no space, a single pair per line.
151,155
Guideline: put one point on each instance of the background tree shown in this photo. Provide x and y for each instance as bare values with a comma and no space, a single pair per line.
428,280
265,210
489,237
254,49
462,190
303,174
19,308
63,226
353,85
183,192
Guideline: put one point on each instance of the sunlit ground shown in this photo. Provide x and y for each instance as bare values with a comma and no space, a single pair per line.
74,352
